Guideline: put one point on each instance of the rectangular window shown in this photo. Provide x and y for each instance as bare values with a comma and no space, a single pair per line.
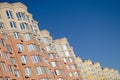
64,47
13,24
44,79
24,59
45,40
20,47
9,48
10,68
0,54
5,36
1,25
2,42
57,72
35,58
17,73
27,36
73,67
70,74
9,14
67,53
48,48
31,47
20,16
67,66
70,59
16,35
38,48
6,55
28,18
40,70
7,78
53,64
13,60
23,26
62,53
60,47
1,78
75,74
28,71
3,66
51,55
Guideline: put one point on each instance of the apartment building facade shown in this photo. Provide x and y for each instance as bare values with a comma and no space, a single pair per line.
93,70
26,53
66,53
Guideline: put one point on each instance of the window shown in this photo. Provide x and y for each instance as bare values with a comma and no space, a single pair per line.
28,18
32,28
13,60
40,70
70,74
10,68
5,36
60,79
53,64
65,60
45,40
35,58
3,66
73,67
51,55
48,48
7,78
23,26
6,55
47,71
38,48
13,24
1,25
20,15
9,14
17,73
16,35
67,66
62,53
24,59
1,78
60,47
75,74
44,79
27,36
64,47
2,42
20,47
0,54
31,47
67,53
9,48
70,59
57,72
28,71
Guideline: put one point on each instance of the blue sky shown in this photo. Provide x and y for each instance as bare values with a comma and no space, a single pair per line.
91,26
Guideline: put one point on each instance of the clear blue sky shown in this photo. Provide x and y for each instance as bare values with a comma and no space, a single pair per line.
91,26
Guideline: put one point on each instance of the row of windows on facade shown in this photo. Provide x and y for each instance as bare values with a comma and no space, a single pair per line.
20,16
36,58
23,26
28,36
32,47
39,70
